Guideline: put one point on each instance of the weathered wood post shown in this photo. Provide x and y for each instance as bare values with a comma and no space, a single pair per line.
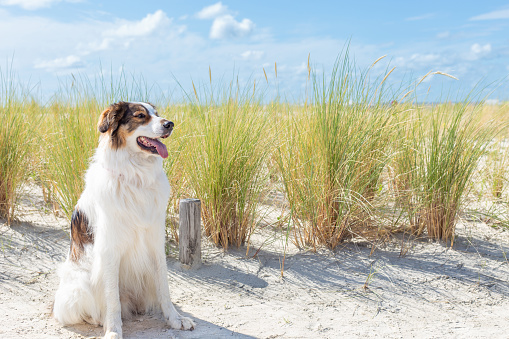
190,233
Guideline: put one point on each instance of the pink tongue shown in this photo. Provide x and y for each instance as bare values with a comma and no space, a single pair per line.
161,148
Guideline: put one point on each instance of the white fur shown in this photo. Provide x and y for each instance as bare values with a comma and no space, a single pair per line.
124,199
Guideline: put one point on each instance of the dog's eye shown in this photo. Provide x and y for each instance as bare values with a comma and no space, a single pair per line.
140,115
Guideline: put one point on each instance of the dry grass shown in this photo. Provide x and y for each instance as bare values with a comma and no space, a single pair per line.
16,145
332,155
227,141
19,116
440,148
345,159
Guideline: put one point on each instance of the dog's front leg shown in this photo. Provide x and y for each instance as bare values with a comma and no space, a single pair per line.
171,315
113,314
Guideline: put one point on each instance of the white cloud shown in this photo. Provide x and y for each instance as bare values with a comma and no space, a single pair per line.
419,60
301,69
129,30
478,49
71,61
499,14
477,52
421,17
145,26
252,55
425,58
492,102
32,4
444,35
212,11
79,44
227,27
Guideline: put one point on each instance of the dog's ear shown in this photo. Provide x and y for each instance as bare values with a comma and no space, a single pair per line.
109,119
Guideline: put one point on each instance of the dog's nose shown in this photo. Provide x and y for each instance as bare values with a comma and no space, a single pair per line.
168,124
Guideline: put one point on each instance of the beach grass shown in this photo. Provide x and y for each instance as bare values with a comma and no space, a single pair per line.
16,147
18,110
352,152
70,142
333,153
440,147
227,143
497,169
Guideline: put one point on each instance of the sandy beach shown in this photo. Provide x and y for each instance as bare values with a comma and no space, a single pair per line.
432,291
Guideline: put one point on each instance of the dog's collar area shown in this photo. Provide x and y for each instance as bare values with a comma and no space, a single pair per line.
114,173
122,178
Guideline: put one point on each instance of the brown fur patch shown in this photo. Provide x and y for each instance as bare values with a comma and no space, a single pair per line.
121,119
110,117
80,235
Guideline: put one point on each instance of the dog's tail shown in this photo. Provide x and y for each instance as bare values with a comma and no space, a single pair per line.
74,300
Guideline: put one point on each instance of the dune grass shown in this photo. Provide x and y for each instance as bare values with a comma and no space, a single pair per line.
70,143
18,111
173,165
439,149
348,155
333,155
16,145
228,141
498,169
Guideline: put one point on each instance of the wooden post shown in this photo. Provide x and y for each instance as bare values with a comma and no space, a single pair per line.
190,233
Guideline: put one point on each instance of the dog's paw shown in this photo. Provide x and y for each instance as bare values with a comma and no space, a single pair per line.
181,323
112,335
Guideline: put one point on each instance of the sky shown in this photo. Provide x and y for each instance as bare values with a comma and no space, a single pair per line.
173,43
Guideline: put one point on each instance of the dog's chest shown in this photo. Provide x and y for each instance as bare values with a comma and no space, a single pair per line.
145,205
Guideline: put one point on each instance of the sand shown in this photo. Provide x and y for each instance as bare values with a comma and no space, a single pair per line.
432,291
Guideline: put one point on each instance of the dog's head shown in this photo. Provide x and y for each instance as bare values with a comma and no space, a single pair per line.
135,125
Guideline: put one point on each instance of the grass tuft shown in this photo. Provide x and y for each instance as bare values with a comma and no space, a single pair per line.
228,142
440,148
19,119
333,154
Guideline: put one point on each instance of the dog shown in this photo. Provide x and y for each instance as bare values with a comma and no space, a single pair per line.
116,265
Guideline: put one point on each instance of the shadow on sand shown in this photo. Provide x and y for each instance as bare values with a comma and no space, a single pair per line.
153,327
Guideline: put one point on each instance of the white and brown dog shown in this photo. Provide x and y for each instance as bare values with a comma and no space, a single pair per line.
116,266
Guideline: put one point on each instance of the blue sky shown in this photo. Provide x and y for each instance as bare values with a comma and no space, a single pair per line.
48,40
